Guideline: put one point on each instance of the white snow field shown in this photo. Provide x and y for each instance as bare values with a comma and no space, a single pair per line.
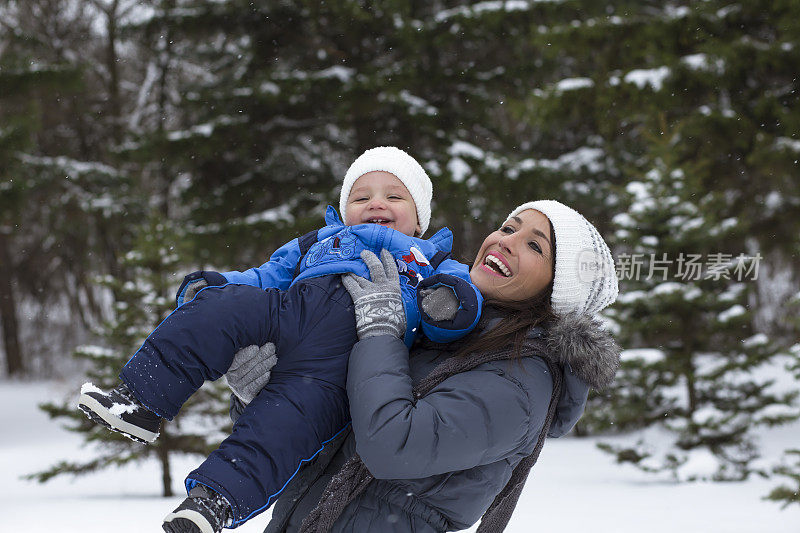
574,488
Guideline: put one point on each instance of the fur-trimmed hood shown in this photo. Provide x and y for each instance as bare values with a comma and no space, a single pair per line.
581,342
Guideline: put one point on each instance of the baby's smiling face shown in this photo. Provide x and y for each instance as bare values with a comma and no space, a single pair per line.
379,197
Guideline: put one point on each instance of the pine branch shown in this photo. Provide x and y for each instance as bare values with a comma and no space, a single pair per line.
79,469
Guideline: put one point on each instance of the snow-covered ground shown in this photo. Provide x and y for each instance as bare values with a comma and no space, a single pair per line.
574,488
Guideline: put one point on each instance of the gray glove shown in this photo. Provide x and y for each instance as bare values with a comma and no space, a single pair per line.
250,370
379,305
440,303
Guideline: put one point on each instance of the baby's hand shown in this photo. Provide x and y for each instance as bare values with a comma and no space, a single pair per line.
439,303
194,282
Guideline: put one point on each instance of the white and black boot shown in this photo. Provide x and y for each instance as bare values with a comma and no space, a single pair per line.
120,411
204,511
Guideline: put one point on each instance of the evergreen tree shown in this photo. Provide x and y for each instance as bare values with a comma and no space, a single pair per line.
21,114
140,305
63,197
718,82
685,299
13,137
724,72
292,92
254,111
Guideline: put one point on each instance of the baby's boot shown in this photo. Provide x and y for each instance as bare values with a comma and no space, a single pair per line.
204,511
120,411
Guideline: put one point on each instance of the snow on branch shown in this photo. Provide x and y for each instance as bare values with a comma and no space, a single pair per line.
488,7
72,167
584,157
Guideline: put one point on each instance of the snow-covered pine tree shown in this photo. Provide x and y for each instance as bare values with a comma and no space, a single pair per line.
37,199
693,378
15,136
276,99
607,74
141,301
62,198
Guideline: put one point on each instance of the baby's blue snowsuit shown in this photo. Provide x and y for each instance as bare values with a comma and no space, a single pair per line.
295,300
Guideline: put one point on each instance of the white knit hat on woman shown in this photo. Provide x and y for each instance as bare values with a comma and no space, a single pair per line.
397,162
585,279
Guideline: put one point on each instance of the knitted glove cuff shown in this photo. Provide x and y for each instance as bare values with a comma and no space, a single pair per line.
380,313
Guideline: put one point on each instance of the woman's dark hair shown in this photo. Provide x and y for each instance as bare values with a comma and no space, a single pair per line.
517,319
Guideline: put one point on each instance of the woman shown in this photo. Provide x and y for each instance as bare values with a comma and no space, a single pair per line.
431,451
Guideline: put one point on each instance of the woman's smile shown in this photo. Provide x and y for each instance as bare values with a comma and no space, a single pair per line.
497,265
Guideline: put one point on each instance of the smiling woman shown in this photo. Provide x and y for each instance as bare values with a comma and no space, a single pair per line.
447,433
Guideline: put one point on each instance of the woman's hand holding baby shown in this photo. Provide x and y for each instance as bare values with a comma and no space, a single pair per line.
378,304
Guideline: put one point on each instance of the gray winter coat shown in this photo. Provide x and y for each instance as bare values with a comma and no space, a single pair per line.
440,460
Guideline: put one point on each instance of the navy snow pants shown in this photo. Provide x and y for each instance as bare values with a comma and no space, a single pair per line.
303,406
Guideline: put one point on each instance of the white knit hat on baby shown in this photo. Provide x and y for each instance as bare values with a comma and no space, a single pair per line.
397,162
585,279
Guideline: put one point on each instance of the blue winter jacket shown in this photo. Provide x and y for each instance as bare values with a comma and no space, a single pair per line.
336,249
